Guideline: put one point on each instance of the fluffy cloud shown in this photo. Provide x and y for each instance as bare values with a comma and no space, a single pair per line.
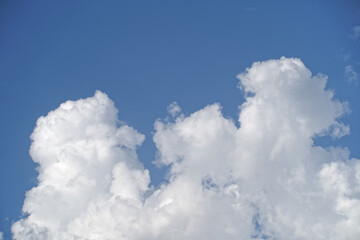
263,180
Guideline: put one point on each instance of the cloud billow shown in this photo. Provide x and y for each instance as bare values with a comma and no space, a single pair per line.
263,180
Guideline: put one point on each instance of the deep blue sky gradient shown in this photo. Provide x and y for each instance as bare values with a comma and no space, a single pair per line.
147,54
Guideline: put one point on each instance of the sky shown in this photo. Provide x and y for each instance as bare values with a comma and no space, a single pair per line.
185,119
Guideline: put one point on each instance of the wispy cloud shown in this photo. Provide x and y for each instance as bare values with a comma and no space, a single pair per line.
351,74
250,9
345,56
264,179
355,32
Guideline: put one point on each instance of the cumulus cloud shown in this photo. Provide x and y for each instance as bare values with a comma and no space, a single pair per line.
263,180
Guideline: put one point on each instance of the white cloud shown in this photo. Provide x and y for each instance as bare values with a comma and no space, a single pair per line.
174,109
85,161
355,32
264,180
1,236
351,74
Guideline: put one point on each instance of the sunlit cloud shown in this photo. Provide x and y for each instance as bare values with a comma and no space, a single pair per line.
263,180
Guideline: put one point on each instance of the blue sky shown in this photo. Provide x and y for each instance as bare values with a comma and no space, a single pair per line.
146,55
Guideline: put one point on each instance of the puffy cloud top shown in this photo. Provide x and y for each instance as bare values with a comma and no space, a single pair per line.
263,180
